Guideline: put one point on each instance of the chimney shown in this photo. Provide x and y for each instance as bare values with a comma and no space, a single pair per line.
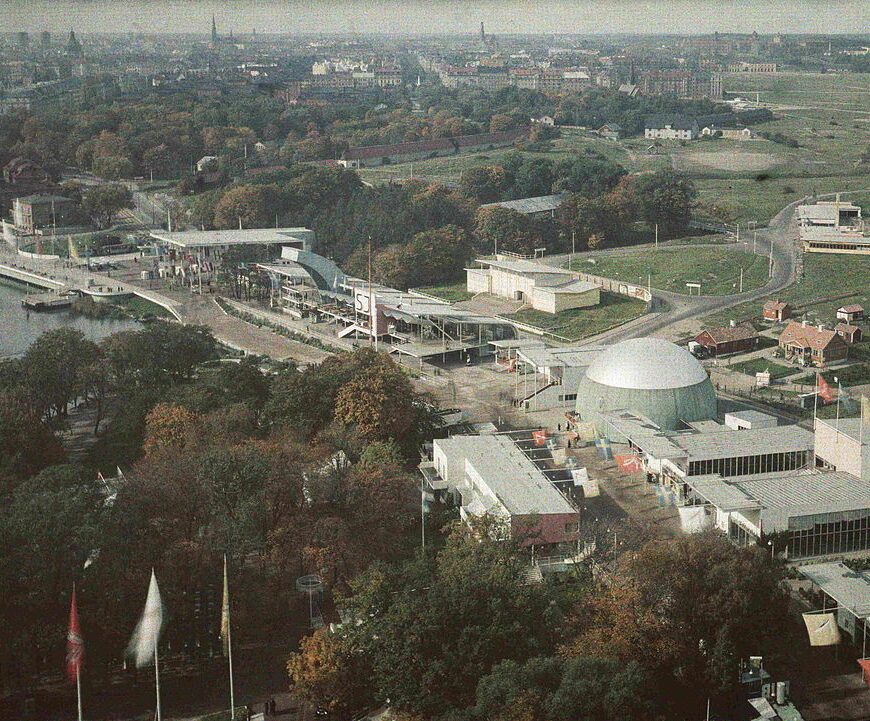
804,323
821,327
732,323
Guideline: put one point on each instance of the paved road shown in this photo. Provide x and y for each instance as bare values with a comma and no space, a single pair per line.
185,306
671,309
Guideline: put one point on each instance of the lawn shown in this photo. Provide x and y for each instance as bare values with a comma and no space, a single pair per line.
453,293
832,91
760,365
743,199
448,169
716,269
582,322
142,307
829,282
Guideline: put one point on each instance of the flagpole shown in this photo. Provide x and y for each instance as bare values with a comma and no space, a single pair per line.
229,643
79,688
157,677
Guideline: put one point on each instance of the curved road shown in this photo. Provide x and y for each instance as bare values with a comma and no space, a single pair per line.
672,308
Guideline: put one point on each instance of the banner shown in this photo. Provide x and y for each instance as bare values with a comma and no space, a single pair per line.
146,636
602,445
539,437
822,629
590,488
630,464
864,663
75,645
586,431
695,519
825,391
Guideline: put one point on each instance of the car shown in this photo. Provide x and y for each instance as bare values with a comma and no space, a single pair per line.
321,712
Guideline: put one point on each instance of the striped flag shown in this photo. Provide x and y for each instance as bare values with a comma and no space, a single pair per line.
75,644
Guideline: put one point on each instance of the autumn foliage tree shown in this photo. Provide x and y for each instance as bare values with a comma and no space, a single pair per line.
328,671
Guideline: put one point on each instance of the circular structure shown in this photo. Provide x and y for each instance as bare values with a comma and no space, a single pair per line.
648,377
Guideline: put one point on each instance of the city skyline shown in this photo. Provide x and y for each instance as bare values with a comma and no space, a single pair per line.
420,18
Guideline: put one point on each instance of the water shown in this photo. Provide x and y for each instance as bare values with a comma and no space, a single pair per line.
19,328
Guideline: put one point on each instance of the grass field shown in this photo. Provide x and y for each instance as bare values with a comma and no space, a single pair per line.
829,282
716,269
582,322
141,307
448,169
743,199
759,365
453,293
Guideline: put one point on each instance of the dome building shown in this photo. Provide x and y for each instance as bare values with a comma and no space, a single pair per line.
649,377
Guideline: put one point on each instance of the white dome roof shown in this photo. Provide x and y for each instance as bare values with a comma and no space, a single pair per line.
646,363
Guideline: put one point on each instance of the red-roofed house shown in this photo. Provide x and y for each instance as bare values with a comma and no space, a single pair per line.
849,333
850,313
816,345
728,339
777,310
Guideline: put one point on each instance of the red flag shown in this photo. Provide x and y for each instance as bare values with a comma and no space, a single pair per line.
825,391
540,437
630,463
75,645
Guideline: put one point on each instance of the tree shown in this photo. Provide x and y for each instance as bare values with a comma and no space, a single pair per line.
242,206
329,672
434,627
555,689
588,176
666,198
49,526
379,403
55,364
688,610
102,202
484,183
147,361
113,167
168,425
27,445
504,229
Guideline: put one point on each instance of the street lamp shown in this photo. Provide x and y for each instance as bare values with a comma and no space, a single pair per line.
770,543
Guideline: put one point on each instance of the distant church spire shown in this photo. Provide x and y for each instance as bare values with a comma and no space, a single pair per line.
214,36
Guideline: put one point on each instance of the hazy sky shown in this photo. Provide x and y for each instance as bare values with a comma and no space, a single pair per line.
440,16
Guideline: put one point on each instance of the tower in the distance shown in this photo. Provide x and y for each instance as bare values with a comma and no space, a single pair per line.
214,37
482,34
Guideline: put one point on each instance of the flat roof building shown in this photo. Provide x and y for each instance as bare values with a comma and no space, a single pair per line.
833,227
490,475
305,284
548,378
673,456
221,239
822,512
543,287
538,206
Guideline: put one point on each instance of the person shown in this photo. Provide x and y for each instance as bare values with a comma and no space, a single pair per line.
558,426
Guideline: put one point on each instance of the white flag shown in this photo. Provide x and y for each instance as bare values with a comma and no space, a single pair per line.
143,643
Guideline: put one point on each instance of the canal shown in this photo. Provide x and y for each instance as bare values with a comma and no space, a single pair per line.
19,328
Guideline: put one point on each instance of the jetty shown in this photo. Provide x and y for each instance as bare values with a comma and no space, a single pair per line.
48,301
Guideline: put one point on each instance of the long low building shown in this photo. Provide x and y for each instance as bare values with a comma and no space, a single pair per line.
540,206
822,513
307,285
542,287
833,227
490,475
674,456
